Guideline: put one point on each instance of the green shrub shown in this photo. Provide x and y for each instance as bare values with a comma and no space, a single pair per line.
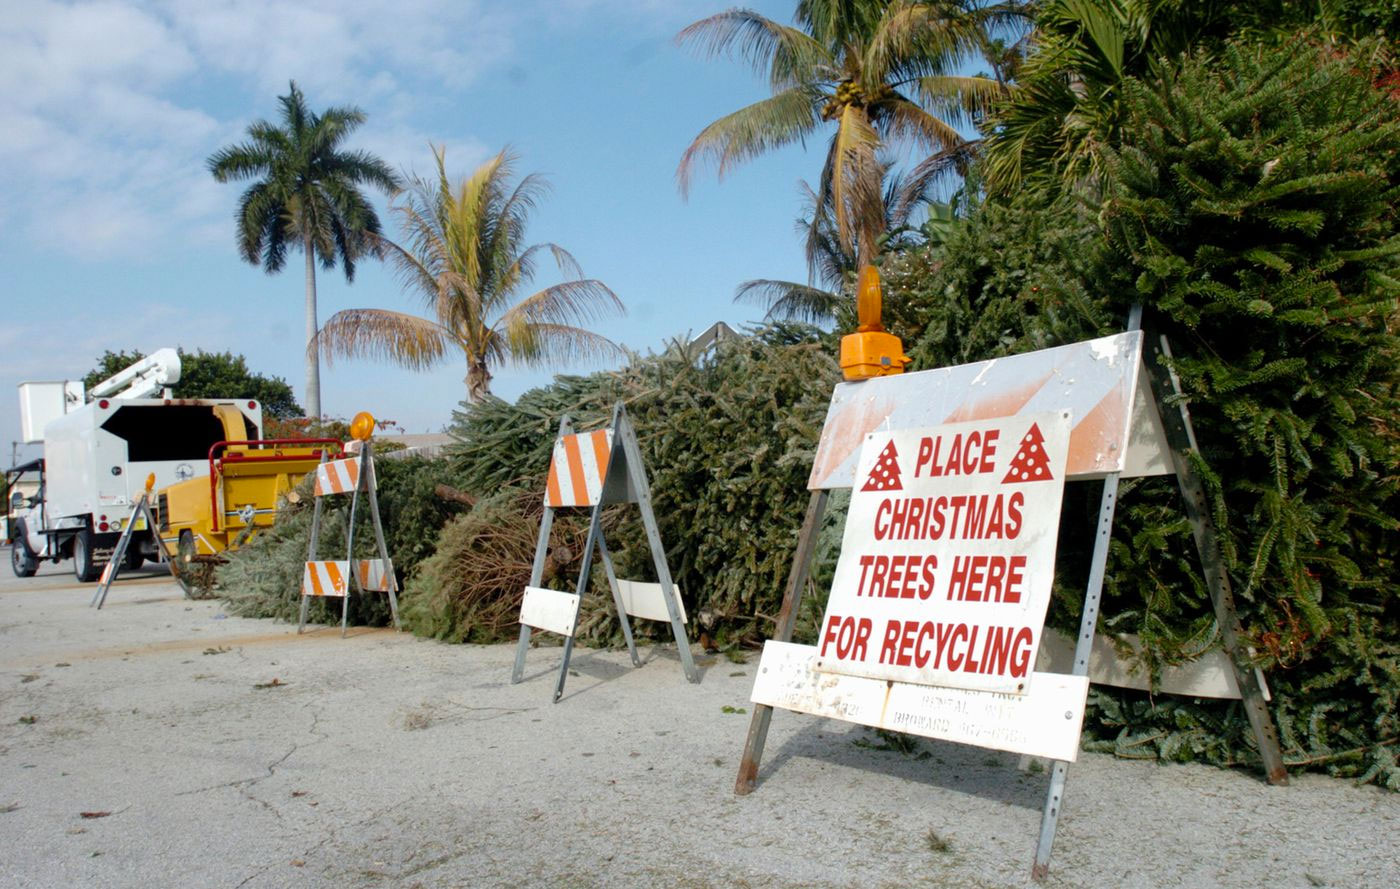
1251,209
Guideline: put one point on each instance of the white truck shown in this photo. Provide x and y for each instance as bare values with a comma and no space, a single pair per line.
99,448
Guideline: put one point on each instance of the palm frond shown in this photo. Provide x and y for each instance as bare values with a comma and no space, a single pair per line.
964,99
243,160
407,340
790,301
914,39
569,302
550,345
781,119
789,56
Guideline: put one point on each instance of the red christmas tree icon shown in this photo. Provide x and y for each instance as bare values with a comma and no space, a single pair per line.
884,475
1030,463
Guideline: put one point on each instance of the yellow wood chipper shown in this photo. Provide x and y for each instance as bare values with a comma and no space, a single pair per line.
203,517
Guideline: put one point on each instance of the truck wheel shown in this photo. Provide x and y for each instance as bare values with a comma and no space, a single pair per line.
84,566
21,560
133,557
183,566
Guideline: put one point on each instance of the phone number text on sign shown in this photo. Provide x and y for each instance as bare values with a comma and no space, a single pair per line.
948,555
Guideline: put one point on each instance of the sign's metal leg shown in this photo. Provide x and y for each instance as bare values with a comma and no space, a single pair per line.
311,554
787,617
109,574
622,617
536,577
1083,647
537,569
1182,439
350,540
635,466
595,533
392,581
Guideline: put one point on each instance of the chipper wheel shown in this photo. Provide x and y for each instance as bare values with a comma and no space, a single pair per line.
194,572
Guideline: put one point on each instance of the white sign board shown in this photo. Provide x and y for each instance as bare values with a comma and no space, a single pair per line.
1045,723
647,601
949,554
548,609
1096,381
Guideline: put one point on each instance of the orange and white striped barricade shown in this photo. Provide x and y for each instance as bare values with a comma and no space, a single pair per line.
335,578
590,470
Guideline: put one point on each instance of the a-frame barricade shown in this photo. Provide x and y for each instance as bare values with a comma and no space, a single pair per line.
333,578
1111,389
590,470
140,512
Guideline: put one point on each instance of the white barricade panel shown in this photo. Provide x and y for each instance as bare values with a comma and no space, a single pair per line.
1208,676
647,601
373,575
1094,380
549,610
578,468
337,476
325,578
1044,722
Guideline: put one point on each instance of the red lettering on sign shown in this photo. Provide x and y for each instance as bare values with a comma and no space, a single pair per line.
850,636
1013,515
971,453
987,579
891,641
1003,650
897,577
865,563
882,519
1021,652
925,457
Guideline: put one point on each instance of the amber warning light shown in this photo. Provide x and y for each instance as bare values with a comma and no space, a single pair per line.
870,351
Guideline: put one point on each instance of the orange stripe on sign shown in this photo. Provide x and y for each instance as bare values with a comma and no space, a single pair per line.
601,453
315,580
552,486
571,451
337,581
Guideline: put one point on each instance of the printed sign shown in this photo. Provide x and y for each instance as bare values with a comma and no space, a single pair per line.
1045,723
948,555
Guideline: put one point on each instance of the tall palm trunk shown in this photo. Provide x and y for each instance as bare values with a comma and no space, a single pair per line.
313,346
478,382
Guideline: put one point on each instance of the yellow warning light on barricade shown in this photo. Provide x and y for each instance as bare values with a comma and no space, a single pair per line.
870,351
362,427
150,482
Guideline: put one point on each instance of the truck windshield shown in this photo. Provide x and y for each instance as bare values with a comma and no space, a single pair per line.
166,432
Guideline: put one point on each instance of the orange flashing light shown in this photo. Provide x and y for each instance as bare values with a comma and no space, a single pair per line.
362,427
870,351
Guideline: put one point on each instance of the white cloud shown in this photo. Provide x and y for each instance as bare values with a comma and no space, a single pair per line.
107,109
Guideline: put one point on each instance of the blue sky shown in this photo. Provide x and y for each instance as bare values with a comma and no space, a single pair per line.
113,234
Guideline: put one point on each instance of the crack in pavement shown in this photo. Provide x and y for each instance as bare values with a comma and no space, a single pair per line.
333,834
242,784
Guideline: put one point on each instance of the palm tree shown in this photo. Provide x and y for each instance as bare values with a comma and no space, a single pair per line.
463,253
1067,102
832,260
879,71
307,195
